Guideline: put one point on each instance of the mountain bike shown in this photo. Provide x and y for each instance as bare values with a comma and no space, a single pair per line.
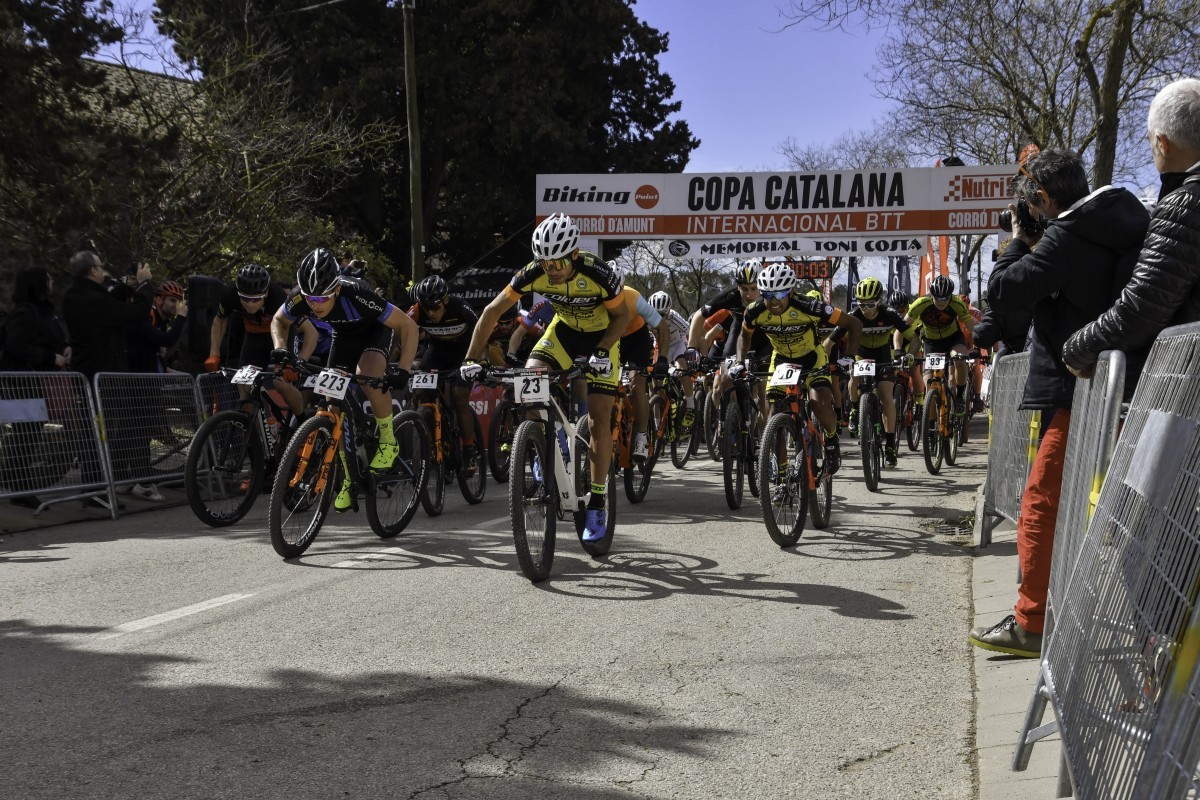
234,453
336,440
548,471
940,418
636,474
739,434
907,414
667,405
792,460
870,424
446,460
505,419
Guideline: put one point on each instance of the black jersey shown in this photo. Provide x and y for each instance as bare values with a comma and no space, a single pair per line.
729,300
230,305
876,333
356,308
455,327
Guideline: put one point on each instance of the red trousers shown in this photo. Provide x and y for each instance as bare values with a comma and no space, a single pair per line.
1035,525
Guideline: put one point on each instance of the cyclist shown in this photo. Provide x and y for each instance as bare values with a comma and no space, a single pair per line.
879,325
589,317
251,301
939,315
637,349
730,306
790,320
363,324
447,321
838,363
531,324
675,349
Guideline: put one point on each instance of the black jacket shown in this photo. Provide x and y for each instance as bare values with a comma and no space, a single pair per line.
98,321
1076,271
1164,289
147,337
33,337
1011,329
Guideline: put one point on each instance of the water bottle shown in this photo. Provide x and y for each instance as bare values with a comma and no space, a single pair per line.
563,445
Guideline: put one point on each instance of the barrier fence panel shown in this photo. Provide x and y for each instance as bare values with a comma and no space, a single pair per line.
214,393
1095,414
1133,587
148,421
1009,459
49,440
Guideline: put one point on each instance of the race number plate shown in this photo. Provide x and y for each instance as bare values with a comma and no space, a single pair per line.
245,375
309,382
865,367
531,388
935,361
785,375
332,383
423,380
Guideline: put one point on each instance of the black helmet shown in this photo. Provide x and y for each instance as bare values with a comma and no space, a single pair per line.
253,279
318,273
899,299
941,287
430,291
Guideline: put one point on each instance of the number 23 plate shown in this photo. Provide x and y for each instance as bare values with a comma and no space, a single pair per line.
531,389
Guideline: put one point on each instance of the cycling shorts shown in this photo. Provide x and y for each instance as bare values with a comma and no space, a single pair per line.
442,359
638,348
814,359
944,345
882,356
561,344
348,348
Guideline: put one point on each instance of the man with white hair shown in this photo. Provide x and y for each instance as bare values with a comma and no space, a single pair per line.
1165,287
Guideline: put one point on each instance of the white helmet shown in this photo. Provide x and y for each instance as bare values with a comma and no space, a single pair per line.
556,237
661,301
776,278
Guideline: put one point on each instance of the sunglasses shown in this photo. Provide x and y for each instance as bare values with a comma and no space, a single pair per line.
251,298
317,298
434,306
556,264
779,295
872,304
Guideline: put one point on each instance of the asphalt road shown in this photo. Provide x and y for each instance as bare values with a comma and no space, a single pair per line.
155,658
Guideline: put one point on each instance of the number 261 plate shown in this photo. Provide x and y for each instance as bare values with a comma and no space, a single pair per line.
423,380
332,383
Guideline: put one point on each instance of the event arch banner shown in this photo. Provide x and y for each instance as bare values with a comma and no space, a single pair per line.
855,212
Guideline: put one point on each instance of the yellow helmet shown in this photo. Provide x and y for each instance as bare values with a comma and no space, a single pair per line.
869,290
815,294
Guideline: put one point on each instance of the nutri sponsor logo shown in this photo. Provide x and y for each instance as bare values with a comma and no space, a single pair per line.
575,194
978,187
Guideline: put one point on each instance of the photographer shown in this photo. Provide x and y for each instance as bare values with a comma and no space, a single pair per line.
99,309
1071,253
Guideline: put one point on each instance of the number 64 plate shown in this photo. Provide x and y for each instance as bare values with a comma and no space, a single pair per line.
332,383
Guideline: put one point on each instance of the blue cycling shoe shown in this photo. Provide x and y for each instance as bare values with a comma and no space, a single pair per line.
594,524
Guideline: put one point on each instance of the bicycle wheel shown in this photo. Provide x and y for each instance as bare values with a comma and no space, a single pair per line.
820,499
473,486
712,428
224,468
532,500
583,482
954,422
500,437
931,434
392,496
686,440
637,476
784,498
301,495
733,466
912,422
657,428
433,493
750,444
868,438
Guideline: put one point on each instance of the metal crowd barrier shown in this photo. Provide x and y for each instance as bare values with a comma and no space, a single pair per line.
1012,440
1112,665
148,421
214,393
49,440
1095,417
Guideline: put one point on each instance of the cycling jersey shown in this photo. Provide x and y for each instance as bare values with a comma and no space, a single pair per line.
876,333
537,318
582,301
677,327
356,309
230,305
728,300
453,331
792,332
640,312
937,324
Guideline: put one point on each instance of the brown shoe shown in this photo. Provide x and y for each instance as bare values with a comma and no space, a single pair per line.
1008,637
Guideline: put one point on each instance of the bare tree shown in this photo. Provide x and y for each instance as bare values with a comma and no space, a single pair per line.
981,80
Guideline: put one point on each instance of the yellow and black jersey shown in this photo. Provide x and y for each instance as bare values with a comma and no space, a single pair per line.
876,333
583,300
793,331
937,324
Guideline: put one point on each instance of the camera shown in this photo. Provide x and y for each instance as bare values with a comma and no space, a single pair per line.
1025,220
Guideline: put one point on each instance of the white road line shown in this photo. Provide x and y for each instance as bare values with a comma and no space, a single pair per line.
168,616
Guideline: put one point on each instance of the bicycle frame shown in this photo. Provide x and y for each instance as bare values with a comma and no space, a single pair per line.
795,403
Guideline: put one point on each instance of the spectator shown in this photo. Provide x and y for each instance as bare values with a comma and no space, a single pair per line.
150,338
34,341
98,310
1088,249
1165,287
1002,333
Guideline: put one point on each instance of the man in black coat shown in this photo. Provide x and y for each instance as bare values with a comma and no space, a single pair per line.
1165,287
98,318
1077,268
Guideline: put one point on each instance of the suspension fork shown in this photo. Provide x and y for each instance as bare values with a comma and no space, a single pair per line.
306,452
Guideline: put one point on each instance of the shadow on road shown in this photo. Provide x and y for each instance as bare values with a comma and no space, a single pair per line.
86,720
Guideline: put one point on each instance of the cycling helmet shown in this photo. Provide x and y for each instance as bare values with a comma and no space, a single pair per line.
430,291
661,301
899,299
253,279
748,273
556,237
815,294
869,290
318,273
941,288
169,289
777,278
